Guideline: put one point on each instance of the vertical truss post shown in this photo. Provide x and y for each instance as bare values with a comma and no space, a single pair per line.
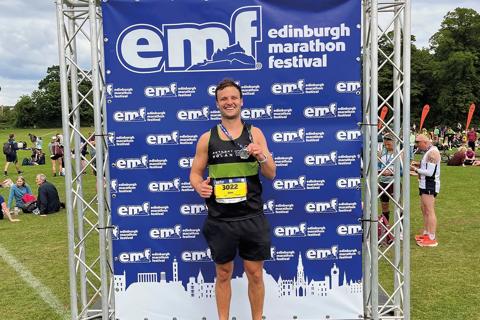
406,157
88,212
386,265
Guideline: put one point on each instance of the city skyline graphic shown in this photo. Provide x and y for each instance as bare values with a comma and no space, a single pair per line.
282,295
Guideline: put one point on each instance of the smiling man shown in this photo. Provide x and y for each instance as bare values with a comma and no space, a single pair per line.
234,152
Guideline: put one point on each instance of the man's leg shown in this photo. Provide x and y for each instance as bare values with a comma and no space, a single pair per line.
223,289
60,165
5,170
430,217
424,214
54,167
18,167
386,210
256,287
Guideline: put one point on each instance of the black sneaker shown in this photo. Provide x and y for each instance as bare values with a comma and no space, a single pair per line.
19,171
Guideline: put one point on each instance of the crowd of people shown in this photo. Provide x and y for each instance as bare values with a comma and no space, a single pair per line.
21,198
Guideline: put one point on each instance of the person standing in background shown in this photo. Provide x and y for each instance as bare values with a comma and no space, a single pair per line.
428,171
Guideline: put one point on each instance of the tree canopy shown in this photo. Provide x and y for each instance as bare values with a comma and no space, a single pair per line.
42,108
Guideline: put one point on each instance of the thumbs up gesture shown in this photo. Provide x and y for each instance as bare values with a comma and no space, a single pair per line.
204,189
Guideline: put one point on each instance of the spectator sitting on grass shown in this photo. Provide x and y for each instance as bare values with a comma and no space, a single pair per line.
17,191
458,158
47,200
469,157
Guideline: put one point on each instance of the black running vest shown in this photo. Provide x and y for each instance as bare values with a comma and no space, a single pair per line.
225,163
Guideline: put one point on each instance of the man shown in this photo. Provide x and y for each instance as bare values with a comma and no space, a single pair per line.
428,171
47,200
234,153
11,154
471,138
386,173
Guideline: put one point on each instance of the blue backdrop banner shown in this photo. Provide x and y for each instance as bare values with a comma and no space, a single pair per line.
298,63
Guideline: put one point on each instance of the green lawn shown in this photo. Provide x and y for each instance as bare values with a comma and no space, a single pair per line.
444,280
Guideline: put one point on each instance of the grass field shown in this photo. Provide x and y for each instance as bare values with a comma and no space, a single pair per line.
445,283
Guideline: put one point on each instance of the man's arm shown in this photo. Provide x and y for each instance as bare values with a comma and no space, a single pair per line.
259,149
200,161
42,200
433,159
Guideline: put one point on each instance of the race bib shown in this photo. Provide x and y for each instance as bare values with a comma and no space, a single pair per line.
230,190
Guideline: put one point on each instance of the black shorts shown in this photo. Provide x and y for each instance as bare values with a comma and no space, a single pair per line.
250,236
471,144
12,158
389,191
427,191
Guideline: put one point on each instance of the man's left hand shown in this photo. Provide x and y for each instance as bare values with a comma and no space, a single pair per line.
256,151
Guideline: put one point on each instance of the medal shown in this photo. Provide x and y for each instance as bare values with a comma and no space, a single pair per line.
243,153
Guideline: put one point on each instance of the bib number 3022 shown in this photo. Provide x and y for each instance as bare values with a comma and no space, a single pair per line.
230,190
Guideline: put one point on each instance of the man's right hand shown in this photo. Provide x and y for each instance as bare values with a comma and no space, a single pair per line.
204,188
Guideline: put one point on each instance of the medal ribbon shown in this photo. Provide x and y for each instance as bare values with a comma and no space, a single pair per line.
231,138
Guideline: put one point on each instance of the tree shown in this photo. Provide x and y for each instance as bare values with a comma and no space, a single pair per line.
47,103
48,99
422,71
25,112
456,48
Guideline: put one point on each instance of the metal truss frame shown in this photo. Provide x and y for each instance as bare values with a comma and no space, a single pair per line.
79,22
386,268
386,265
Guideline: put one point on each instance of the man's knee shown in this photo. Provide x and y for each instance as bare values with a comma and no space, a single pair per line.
224,271
254,271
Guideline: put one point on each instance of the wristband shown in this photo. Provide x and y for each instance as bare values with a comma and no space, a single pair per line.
264,160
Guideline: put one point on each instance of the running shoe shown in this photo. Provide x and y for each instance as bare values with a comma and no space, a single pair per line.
426,242
419,237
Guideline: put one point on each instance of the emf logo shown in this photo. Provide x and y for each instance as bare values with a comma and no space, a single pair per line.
134,210
132,163
289,136
130,115
136,257
189,46
322,207
290,184
348,183
289,87
291,231
349,135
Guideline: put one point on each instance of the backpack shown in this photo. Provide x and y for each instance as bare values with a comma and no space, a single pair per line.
26,162
384,231
27,197
57,150
30,202
7,148
41,159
